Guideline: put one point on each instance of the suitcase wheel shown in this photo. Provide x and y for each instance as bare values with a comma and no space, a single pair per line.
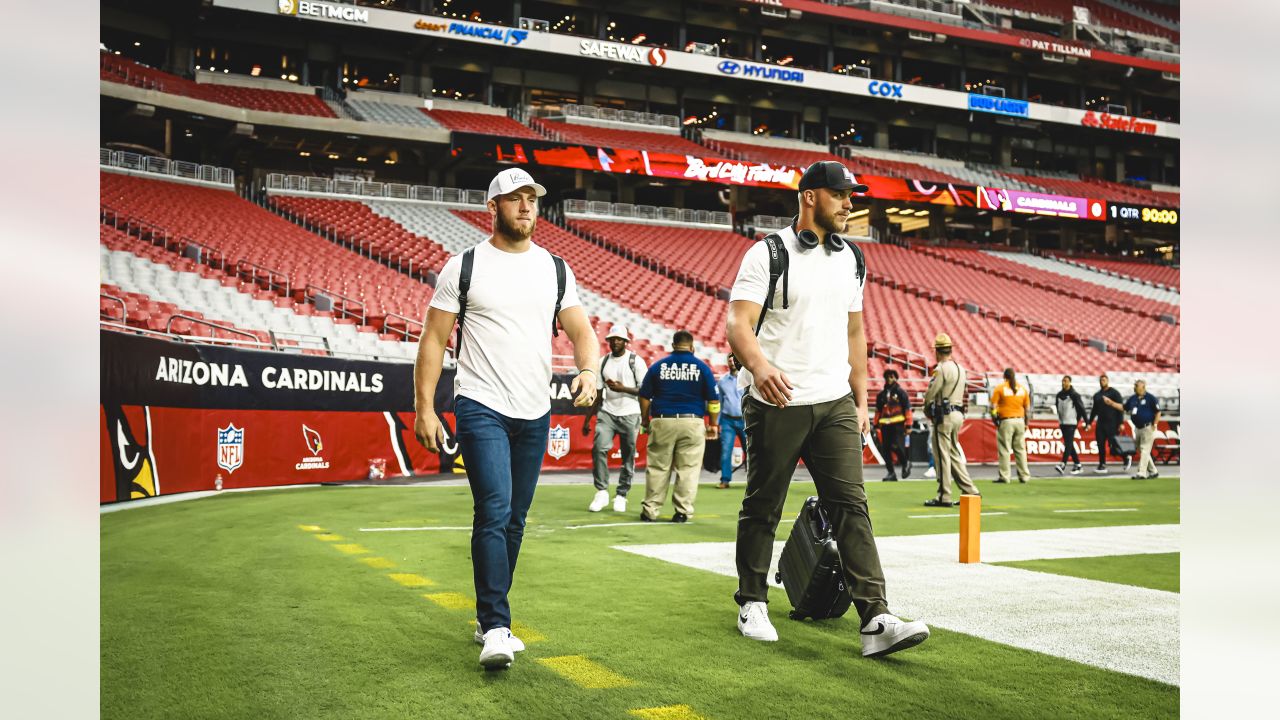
795,615
777,577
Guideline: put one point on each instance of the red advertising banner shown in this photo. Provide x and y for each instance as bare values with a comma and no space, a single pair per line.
784,177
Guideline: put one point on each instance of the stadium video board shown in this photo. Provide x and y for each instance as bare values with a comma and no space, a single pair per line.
629,161
1142,214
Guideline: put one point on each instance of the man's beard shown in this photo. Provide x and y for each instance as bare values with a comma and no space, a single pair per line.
512,230
831,223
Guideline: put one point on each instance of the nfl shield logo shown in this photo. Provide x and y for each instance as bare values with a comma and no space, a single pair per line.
230,447
558,442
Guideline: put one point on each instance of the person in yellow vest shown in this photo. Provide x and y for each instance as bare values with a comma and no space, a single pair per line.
1010,405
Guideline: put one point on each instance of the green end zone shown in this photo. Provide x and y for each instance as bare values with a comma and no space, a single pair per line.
225,608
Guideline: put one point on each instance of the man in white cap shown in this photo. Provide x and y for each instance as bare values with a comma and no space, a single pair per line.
617,412
506,295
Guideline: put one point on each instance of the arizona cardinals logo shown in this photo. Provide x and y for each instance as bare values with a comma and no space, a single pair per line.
135,472
314,443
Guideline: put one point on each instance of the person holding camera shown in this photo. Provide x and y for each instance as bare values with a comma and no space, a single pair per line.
944,406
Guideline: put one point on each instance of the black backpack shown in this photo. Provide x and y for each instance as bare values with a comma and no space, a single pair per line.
780,267
631,360
464,284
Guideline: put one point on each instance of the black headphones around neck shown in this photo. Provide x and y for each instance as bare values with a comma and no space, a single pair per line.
808,239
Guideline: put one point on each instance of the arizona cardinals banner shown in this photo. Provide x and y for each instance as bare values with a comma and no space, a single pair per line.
178,417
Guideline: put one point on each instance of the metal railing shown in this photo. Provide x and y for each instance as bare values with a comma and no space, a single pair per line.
406,331
161,237
164,166
279,338
168,326
280,182
591,112
341,304
646,212
275,280
124,309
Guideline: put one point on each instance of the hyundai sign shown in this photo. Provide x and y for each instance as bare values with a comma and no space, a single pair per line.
999,105
760,72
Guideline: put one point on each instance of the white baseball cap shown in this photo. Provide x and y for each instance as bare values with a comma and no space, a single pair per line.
513,179
618,331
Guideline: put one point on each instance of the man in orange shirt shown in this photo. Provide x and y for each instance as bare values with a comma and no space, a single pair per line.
1010,404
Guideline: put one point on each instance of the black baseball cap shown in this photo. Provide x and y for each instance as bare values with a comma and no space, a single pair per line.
830,174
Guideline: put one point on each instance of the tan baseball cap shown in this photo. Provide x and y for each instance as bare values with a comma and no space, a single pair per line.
943,340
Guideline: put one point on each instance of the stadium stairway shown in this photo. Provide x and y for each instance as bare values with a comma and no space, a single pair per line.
1140,272
1004,265
1076,272
1074,320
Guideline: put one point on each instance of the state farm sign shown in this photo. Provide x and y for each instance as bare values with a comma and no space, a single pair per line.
1118,122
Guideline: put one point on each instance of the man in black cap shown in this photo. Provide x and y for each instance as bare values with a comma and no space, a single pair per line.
801,343
893,417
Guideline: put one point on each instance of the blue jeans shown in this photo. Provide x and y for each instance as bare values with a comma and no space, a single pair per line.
503,457
729,429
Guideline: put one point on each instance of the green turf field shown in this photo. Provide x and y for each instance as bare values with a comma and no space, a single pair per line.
1157,571
274,604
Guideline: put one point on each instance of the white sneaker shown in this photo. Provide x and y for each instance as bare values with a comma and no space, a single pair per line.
1128,463
620,504
1060,468
601,499
753,622
517,645
884,634
931,473
497,652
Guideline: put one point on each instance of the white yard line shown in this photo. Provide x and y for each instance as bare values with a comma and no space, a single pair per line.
1099,510
1123,628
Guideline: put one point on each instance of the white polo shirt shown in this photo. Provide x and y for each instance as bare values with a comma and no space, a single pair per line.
506,337
809,340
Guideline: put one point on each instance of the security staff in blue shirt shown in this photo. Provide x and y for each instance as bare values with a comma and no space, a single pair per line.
673,396
1144,412
731,424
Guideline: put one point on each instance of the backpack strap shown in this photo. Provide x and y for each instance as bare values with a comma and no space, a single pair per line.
464,284
862,262
779,263
561,280
632,361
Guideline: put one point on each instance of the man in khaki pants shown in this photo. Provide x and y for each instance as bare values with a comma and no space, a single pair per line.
942,402
1144,412
673,396
1010,403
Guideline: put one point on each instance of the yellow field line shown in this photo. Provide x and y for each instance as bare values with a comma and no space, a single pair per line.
584,672
379,563
328,537
668,712
451,600
310,528
351,549
410,580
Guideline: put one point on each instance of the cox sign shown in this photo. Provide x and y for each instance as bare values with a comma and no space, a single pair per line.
885,89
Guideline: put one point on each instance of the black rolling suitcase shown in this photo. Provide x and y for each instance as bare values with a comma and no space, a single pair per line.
810,568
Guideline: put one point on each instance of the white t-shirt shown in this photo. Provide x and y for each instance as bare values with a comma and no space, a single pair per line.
506,337
619,369
809,341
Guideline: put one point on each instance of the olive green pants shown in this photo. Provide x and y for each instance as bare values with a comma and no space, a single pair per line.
827,438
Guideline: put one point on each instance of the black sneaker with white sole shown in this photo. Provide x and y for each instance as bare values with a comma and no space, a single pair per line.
1060,468
885,634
